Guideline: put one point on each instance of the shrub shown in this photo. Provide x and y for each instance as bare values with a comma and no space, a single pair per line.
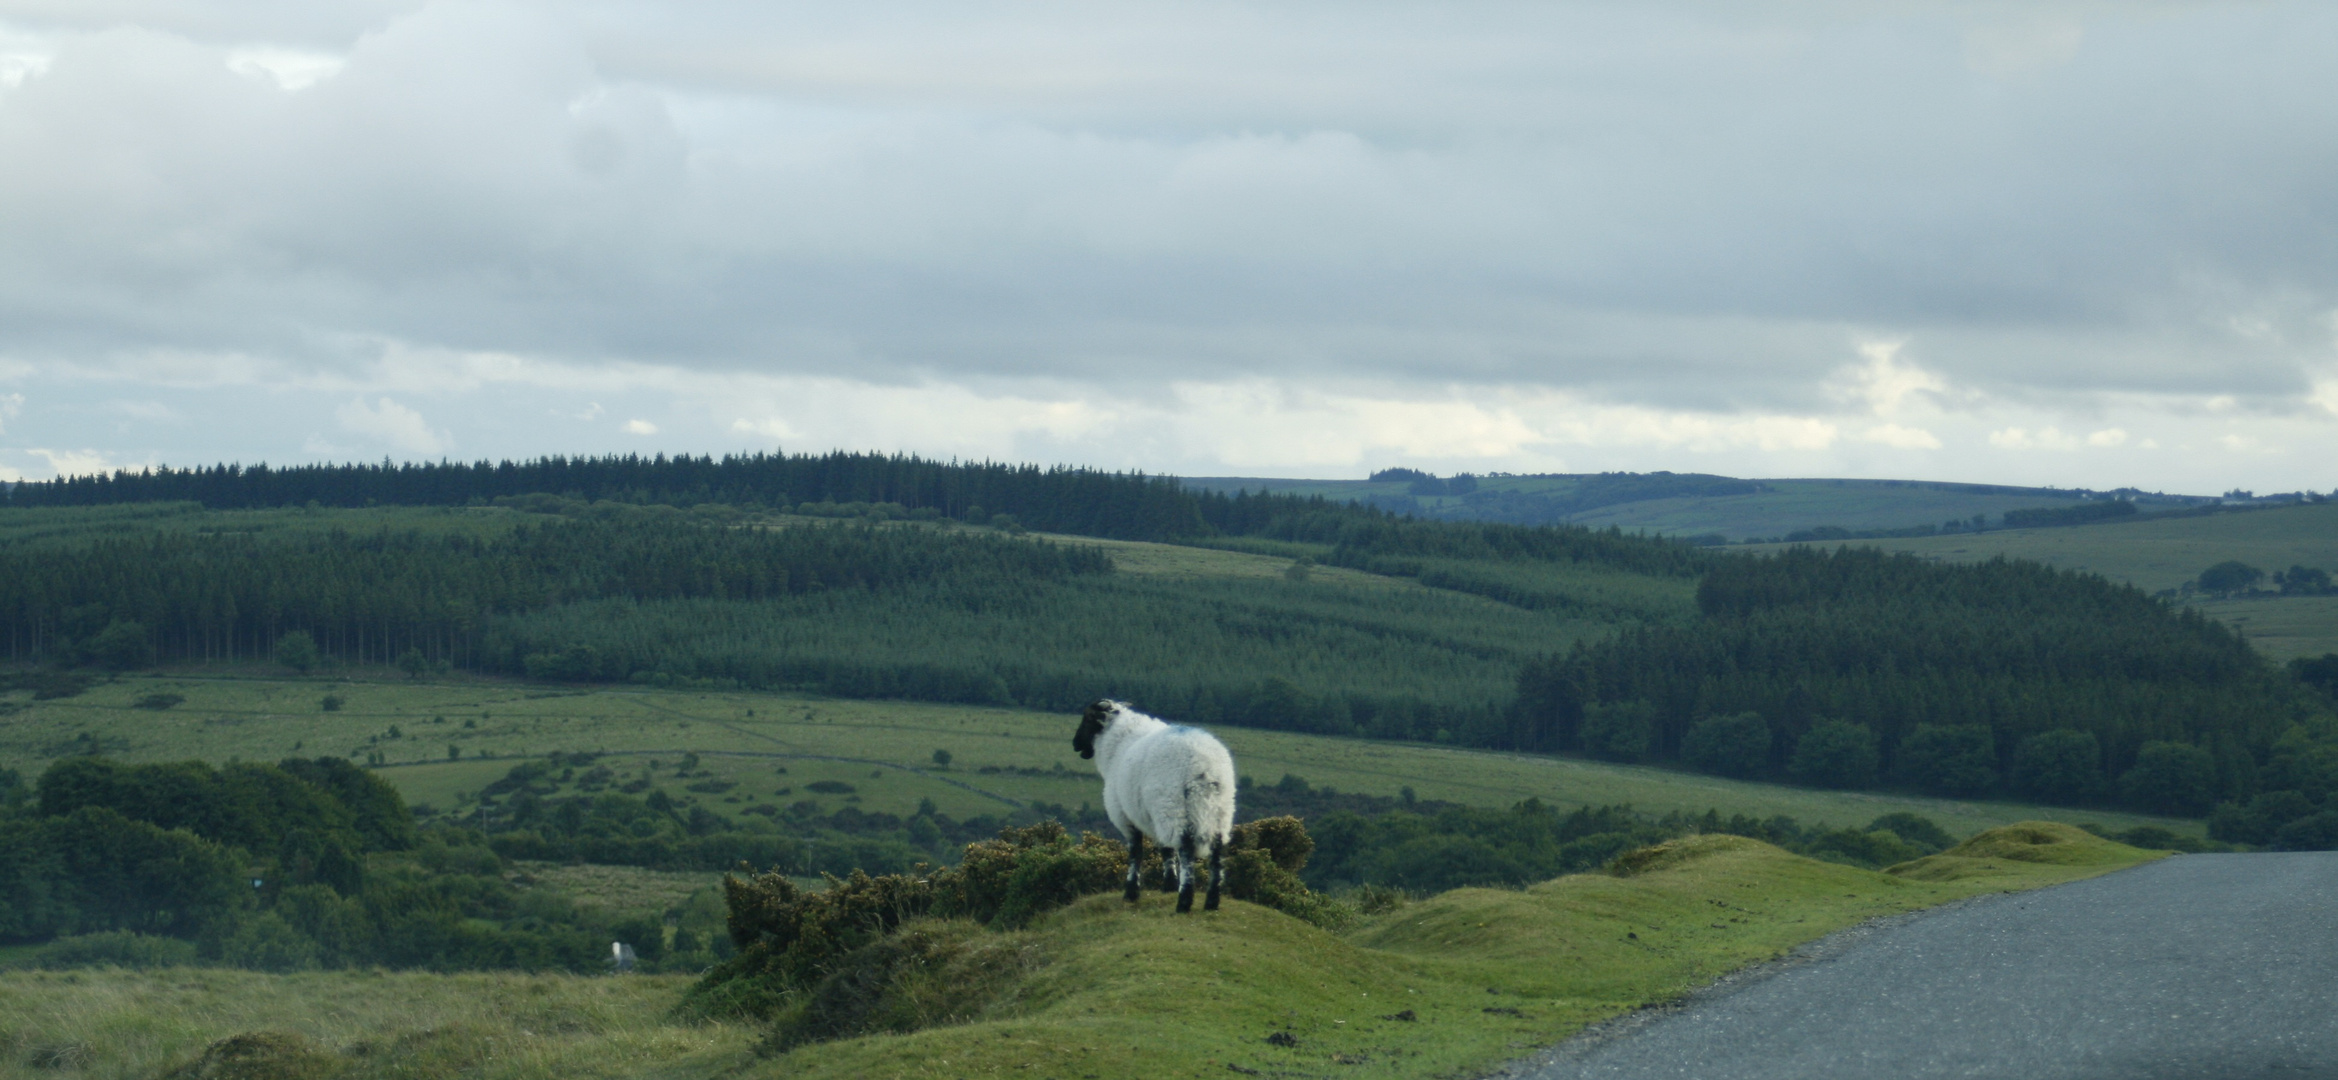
2260,819
2171,778
122,646
1618,732
1734,745
119,948
1915,829
2062,765
1835,754
298,651
790,938
1949,759
2317,832
266,942
933,972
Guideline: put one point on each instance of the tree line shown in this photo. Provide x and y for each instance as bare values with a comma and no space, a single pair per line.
1854,668
372,597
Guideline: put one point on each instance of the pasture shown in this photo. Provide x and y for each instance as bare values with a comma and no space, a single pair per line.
441,741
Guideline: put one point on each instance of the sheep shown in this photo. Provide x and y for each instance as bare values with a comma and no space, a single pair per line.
1167,781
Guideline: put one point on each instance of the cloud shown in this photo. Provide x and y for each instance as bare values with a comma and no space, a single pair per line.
2325,394
288,69
1904,438
76,462
640,427
10,405
2107,437
1886,383
389,422
2046,438
1304,236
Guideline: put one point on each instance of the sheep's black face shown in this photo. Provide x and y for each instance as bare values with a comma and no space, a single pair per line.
1091,725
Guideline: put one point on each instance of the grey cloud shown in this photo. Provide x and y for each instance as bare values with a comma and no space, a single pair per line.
1693,205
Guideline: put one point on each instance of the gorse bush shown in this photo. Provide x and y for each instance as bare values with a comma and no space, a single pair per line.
789,938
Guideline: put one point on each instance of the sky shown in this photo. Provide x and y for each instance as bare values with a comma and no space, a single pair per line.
2086,244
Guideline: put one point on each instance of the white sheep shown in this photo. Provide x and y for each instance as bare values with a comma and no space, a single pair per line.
1166,781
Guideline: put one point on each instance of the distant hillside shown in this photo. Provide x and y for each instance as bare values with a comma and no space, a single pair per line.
2160,555
1690,504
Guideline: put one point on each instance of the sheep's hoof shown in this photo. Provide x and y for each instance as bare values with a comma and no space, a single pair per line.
1210,904
1130,895
1184,903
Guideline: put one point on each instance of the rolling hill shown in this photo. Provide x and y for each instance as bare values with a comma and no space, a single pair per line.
2163,554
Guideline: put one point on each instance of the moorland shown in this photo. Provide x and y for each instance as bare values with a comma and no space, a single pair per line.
450,730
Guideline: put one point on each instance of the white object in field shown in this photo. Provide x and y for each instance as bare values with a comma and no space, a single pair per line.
621,954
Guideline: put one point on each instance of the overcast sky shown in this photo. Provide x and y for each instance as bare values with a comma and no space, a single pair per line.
2084,244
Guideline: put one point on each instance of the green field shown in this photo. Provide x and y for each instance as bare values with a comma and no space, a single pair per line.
2162,554
1446,986
882,749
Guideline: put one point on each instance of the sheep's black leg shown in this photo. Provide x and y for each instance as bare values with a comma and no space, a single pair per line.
1136,864
1185,874
1217,875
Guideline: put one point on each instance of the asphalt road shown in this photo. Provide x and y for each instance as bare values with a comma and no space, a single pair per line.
2220,967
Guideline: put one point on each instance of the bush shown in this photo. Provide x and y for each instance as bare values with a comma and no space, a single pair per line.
119,948
1734,745
2260,819
2063,765
789,938
1915,829
2318,832
121,646
298,651
934,972
1618,732
266,942
2171,778
1949,759
1835,754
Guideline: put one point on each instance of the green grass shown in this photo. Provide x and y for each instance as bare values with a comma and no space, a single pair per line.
1483,974
884,749
1788,505
118,1024
2163,554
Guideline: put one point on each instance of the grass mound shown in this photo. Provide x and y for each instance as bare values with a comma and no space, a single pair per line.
844,944
262,1055
1449,984
1673,853
2036,843
1443,986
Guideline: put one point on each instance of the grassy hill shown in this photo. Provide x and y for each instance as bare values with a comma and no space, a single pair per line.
1670,505
882,751
1452,984
2155,555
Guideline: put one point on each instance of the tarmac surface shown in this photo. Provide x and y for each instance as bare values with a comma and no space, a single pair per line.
2218,967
